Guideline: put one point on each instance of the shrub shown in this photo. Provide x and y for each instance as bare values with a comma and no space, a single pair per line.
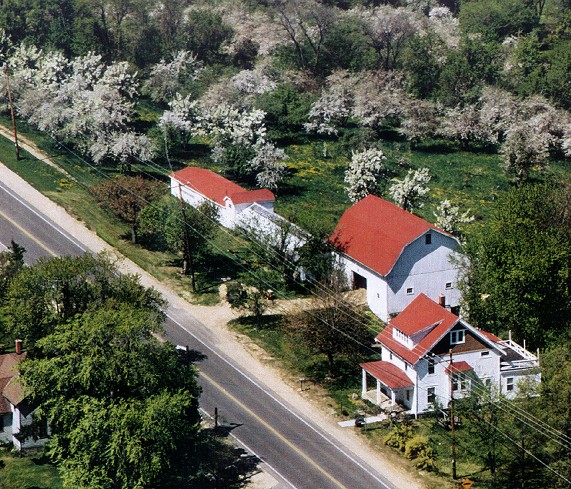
399,436
419,450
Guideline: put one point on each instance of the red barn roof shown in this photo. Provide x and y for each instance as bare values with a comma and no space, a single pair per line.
215,187
375,232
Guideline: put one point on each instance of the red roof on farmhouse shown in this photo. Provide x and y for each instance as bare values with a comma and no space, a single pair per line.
215,187
421,313
389,374
374,232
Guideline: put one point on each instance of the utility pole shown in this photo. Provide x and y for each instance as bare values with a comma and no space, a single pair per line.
187,251
452,418
7,73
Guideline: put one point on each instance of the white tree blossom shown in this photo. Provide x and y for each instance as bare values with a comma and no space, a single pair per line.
498,112
84,101
334,106
421,119
185,115
449,216
269,166
363,174
524,150
379,97
167,78
252,82
464,125
124,147
409,192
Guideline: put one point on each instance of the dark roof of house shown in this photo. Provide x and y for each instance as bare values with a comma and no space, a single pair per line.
10,389
374,232
388,373
215,187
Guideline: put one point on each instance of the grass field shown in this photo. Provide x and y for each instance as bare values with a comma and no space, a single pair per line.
28,472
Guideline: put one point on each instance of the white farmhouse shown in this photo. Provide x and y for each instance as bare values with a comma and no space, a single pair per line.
15,411
395,255
415,371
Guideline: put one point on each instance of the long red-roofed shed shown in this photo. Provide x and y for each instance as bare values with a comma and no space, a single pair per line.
215,187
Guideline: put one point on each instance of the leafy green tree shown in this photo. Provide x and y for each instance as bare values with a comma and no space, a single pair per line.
186,230
498,18
528,71
558,76
519,272
54,290
122,407
345,47
331,326
475,63
286,110
126,197
255,291
421,64
11,262
205,33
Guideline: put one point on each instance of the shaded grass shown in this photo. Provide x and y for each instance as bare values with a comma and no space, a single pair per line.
27,472
440,440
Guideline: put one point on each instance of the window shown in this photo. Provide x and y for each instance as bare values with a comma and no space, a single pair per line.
428,238
457,336
485,354
409,291
510,384
431,363
405,367
460,382
431,395
488,382
448,285
408,395
390,356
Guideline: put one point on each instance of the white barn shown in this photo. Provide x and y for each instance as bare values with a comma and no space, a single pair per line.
395,255
415,370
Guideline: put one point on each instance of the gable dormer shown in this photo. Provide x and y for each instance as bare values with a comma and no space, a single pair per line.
403,338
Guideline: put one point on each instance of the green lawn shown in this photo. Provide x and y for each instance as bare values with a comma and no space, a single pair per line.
27,472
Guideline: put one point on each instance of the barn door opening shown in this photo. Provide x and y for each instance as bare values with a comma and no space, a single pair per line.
359,282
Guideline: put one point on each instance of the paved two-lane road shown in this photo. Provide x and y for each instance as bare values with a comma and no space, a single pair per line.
295,450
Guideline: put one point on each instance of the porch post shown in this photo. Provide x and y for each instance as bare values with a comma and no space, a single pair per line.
364,384
393,398
378,393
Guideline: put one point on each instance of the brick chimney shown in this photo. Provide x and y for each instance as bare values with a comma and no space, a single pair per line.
442,300
18,347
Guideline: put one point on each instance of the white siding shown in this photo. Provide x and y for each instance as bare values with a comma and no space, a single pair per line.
426,268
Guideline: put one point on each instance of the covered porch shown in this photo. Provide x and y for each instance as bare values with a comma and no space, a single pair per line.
393,387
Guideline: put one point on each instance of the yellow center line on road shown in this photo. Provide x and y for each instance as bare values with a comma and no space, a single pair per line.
273,430
33,238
